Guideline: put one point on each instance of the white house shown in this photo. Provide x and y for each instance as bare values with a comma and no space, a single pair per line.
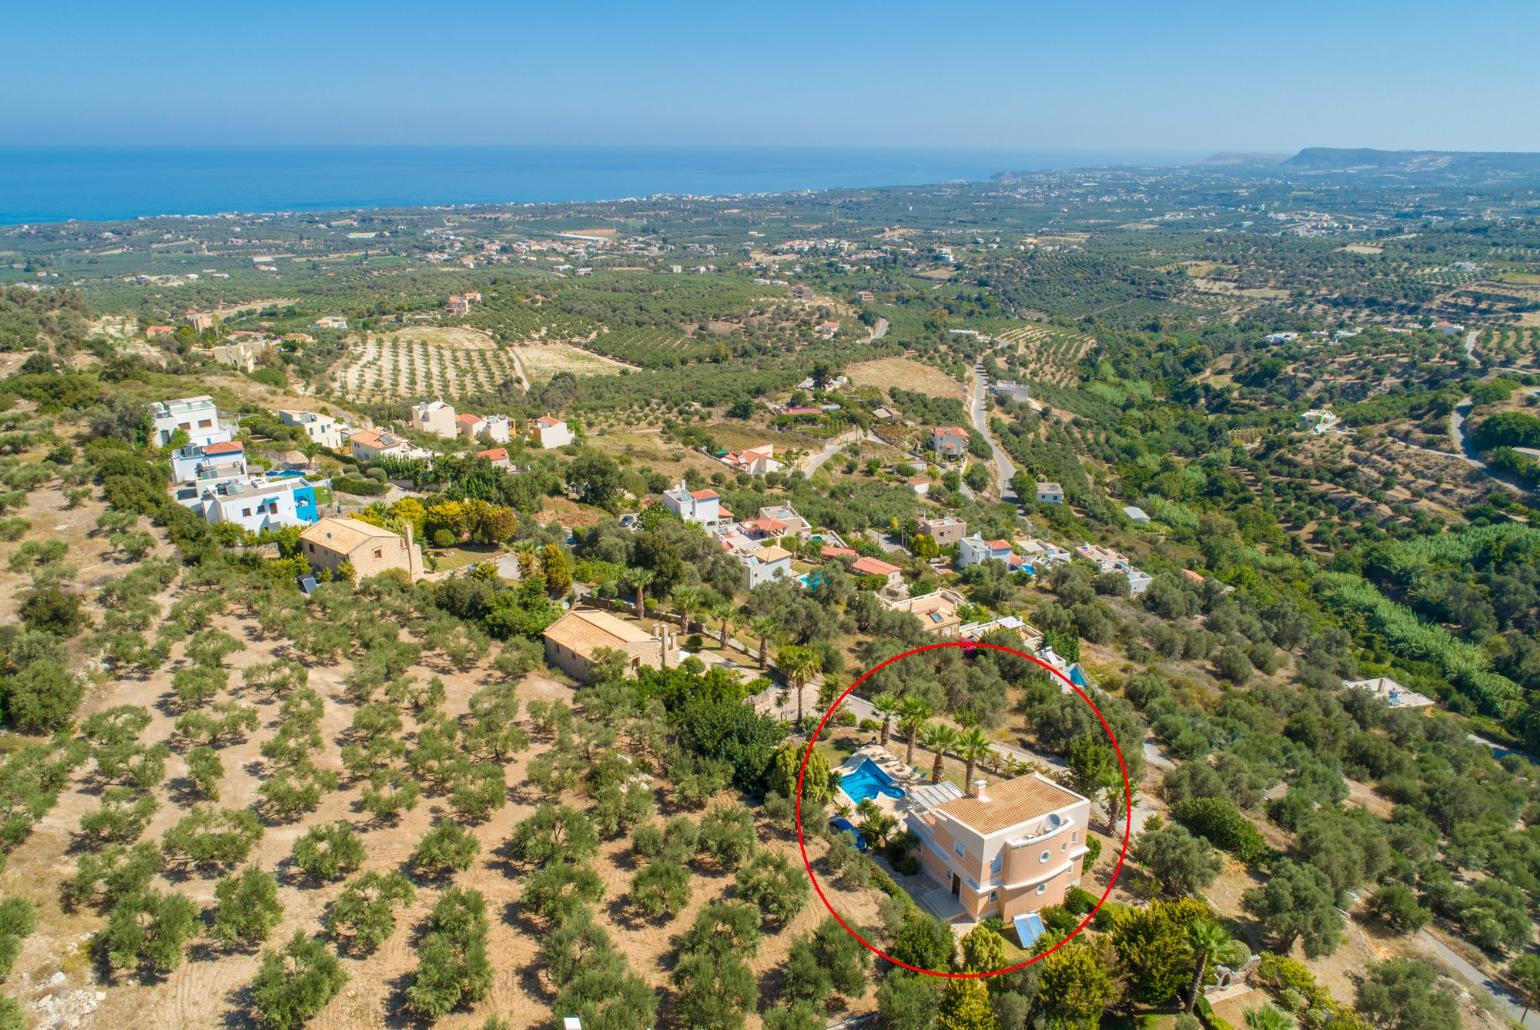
1318,421
551,432
754,460
321,429
1049,493
368,444
971,550
499,428
193,463
1390,692
703,507
257,504
1108,560
766,564
436,417
197,417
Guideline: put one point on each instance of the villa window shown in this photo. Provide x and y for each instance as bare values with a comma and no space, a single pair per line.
1045,856
999,861
1042,888
957,847
1074,838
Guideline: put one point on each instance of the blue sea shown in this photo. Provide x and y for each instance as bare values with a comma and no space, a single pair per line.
52,184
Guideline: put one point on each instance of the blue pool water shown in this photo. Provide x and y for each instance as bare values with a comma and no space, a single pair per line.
868,781
846,826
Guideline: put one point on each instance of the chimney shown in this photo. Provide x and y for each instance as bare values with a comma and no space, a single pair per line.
978,790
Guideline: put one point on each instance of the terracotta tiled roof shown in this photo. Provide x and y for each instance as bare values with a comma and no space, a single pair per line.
874,567
584,632
704,495
228,447
1010,803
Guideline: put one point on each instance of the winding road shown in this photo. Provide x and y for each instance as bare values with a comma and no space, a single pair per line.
1005,470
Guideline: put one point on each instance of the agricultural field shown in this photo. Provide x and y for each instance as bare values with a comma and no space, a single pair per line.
1510,345
905,373
540,361
1045,353
432,361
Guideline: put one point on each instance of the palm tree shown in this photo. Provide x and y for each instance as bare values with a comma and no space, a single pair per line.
1269,1017
875,825
936,737
686,598
887,705
640,579
912,713
1206,939
798,664
728,615
766,629
971,745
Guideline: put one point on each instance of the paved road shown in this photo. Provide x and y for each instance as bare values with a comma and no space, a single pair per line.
1460,437
1005,470
1508,1003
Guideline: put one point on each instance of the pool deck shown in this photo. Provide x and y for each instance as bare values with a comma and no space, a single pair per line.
901,776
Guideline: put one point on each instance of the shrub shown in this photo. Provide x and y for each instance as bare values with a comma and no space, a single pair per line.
727,836
452,959
246,908
554,891
295,982
775,885
208,837
660,886
148,929
363,916
446,848
1223,825
553,833
18,918
329,852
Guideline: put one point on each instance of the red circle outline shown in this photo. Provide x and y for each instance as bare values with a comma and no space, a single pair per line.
1128,809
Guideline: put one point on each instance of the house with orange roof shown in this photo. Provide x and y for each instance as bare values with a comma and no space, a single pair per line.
765,565
550,432
498,456
702,507
368,444
949,442
756,461
869,566
1009,850
971,550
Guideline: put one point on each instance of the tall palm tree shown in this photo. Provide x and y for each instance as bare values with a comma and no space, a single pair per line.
686,598
798,664
766,629
640,579
936,737
912,714
727,614
971,745
887,705
1206,939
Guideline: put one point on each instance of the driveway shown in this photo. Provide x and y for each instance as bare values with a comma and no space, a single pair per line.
1507,1003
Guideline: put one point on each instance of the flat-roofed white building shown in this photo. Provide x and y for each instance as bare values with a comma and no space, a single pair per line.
197,417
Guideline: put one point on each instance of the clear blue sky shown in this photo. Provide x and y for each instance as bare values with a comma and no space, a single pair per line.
1019,73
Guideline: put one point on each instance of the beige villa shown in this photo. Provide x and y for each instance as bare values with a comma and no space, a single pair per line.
574,641
1005,850
370,549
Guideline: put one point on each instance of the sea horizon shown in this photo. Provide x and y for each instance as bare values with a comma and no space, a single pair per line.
47,184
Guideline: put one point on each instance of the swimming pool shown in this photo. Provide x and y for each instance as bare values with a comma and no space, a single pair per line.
868,781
